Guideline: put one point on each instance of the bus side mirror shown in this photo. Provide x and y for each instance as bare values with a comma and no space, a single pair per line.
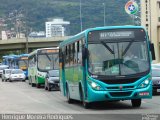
84,53
152,51
35,59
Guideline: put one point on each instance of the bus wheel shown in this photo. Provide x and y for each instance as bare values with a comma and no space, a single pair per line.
69,100
32,84
29,80
136,102
85,104
37,85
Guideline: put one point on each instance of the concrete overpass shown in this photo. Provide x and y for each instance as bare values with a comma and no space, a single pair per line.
33,43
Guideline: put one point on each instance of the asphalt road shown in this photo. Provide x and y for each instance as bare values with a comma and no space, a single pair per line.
19,97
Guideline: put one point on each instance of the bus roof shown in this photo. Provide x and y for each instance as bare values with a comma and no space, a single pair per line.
85,32
10,56
23,55
35,51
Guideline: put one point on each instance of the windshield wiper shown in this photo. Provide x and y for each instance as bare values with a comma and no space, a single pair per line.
127,48
48,57
25,62
107,47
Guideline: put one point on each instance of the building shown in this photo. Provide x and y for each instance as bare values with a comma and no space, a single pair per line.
4,35
150,19
39,34
57,27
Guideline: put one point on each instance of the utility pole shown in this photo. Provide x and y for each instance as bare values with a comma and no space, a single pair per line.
80,13
104,13
26,31
26,36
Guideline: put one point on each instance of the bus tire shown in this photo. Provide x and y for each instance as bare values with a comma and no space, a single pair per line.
69,100
136,102
85,104
32,84
29,80
38,85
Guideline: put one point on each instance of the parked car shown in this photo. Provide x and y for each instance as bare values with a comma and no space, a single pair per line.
52,80
17,75
6,74
2,67
156,80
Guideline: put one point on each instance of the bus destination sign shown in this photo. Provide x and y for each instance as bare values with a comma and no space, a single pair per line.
24,58
49,51
116,35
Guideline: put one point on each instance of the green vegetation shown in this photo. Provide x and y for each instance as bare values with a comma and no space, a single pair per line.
37,12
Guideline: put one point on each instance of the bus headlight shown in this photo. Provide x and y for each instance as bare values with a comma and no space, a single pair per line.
144,84
94,85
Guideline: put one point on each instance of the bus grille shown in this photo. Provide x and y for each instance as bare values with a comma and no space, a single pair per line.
118,88
120,94
120,81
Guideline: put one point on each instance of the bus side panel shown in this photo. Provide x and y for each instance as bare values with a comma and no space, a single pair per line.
78,77
40,77
73,77
69,80
34,72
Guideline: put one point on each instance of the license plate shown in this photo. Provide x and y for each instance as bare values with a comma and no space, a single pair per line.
158,90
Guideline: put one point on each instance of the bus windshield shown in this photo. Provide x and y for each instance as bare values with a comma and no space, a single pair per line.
48,61
23,64
120,55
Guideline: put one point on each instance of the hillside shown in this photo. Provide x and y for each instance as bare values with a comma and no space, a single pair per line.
36,12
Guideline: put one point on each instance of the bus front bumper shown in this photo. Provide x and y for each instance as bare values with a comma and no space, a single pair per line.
142,93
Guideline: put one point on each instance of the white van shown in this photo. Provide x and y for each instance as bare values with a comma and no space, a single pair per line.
2,67
5,75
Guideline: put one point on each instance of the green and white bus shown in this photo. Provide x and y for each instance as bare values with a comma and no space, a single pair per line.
41,61
95,65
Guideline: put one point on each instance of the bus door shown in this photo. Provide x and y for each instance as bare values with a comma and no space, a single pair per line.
62,70
81,68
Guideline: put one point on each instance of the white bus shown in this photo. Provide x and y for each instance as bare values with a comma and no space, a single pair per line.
41,61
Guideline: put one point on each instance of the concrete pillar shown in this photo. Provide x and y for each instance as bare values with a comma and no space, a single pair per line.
154,28
149,19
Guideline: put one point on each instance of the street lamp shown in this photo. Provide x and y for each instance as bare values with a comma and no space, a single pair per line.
26,36
136,20
26,31
104,12
80,13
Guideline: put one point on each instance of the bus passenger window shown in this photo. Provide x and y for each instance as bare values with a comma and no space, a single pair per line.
80,53
75,54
